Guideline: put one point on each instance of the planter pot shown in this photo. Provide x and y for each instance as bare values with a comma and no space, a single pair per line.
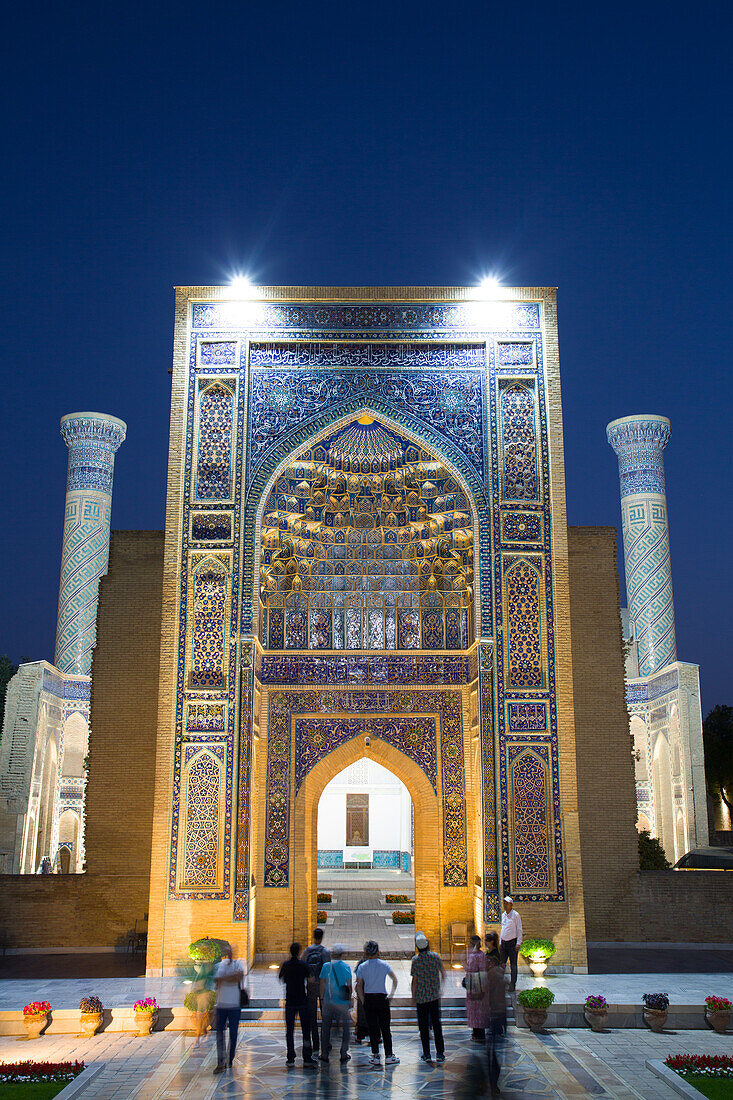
718,1021
145,1022
655,1018
535,1018
35,1024
596,1021
538,968
90,1023
201,1022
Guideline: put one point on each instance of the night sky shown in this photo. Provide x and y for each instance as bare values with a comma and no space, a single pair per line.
581,146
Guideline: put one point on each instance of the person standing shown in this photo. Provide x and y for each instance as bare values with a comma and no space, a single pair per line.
477,991
314,958
497,1022
428,975
491,943
336,990
371,987
511,938
295,974
362,1027
229,979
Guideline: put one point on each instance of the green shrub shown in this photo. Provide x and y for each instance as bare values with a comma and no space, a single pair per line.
325,898
396,899
539,998
651,853
321,916
190,1001
399,916
208,949
537,950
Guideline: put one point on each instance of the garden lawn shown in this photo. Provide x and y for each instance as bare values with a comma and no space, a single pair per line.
30,1090
716,1088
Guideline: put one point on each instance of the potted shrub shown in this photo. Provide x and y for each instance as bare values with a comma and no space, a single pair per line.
596,1012
535,1003
91,1015
35,1018
324,898
655,1012
717,1013
396,899
400,916
200,1003
146,1015
206,950
321,916
537,952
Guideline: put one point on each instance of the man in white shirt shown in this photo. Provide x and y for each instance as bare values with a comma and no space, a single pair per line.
371,988
511,938
229,978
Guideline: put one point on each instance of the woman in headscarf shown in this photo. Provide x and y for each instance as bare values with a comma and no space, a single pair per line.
478,1007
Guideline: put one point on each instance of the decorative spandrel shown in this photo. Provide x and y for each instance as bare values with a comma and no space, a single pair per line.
367,543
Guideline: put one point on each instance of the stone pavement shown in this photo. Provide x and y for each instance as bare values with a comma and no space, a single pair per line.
358,912
569,1064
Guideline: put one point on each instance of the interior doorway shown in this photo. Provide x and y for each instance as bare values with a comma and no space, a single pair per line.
365,857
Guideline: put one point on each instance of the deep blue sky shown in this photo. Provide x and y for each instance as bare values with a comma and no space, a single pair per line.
580,146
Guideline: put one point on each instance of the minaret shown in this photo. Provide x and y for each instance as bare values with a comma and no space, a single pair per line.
92,439
639,442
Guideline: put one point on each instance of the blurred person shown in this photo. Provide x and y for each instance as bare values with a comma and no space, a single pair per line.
229,981
314,957
295,975
491,943
335,992
371,987
428,975
496,1030
477,990
510,939
362,1027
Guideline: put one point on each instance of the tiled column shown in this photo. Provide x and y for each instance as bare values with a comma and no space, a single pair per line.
92,439
639,442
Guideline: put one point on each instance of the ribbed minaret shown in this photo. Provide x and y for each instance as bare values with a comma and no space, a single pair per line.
92,439
639,442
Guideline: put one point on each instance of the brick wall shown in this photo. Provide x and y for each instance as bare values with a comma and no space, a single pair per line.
696,906
606,788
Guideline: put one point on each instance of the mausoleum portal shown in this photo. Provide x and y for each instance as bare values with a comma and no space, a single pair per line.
366,557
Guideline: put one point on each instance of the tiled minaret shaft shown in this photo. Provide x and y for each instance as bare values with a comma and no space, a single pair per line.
639,442
92,439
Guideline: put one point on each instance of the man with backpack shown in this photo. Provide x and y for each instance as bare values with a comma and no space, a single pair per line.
314,958
336,986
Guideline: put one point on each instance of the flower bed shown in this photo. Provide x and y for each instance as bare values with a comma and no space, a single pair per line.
324,898
718,1004
596,1003
396,899
656,1002
710,1074
24,1072
149,1004
91,1004
400,916
208,949
37,1008
321,916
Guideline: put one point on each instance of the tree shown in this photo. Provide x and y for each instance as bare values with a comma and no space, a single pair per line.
717,735
651,853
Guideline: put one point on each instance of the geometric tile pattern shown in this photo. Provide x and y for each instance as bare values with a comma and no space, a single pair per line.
209,625
639,443
524,639
203,770
519,445
529,807
92,443
299,735
214,473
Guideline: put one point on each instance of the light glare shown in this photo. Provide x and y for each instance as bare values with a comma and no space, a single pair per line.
490,282
240,284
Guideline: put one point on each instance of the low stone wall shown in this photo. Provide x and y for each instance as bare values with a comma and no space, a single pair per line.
70,911
696,906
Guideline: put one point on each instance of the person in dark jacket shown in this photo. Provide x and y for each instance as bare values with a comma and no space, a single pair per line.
491,942
295,975
496,1029
315,956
